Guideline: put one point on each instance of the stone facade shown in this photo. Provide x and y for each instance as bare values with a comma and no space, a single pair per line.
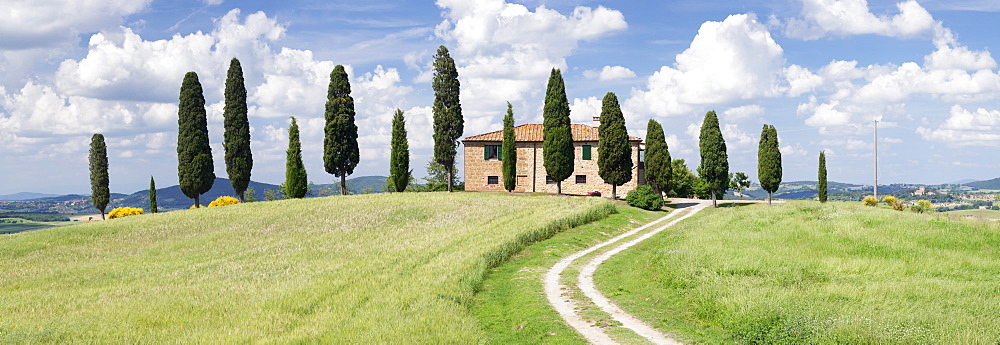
482,172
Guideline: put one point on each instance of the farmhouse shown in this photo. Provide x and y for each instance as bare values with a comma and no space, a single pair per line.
482,162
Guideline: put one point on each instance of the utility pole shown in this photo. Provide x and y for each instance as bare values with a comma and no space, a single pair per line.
875,141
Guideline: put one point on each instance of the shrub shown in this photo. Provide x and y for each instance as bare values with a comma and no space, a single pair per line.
224,201
193,207
869,201
124,212
894,202
645,198
923,206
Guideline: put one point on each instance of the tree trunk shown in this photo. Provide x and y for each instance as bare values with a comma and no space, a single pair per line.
197,201
559,187
614,192
242,200
658,192
714,204
450,178
768,198
102,215
343,185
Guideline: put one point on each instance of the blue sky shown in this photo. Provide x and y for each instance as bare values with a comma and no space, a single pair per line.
819,70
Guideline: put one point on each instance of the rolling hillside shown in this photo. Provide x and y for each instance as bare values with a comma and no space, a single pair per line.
168,198
361,269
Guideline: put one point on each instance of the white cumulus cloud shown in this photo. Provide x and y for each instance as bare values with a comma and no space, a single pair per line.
610,73
751,68
504,51
821,18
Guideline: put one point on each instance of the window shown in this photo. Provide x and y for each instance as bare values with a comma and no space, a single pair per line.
581,178
492,152
492,180
586,152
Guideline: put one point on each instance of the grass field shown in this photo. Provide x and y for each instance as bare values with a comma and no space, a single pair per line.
512,307
984,214
805,273
15,225
380,268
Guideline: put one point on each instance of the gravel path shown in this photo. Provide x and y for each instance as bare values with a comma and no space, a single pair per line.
558,293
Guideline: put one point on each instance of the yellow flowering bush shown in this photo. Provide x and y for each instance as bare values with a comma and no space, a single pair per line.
923,206
894,202
224,201
124,212
869,201
193,207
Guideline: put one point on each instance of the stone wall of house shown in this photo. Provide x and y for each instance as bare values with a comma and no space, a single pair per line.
531,175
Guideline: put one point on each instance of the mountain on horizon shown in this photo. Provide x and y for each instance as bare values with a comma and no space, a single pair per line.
171,198
25,196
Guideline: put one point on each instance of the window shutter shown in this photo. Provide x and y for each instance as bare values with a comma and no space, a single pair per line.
586,152
486,152
500,152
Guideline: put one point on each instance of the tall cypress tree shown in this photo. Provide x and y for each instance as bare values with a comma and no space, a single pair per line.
557,133
239,160
296,181
658,170
448,121
152,196
821,182
100,193
509,151
195,169
714,167
399,159
340,145
614,155
769,161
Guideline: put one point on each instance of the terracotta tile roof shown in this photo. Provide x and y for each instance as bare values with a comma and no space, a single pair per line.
533,132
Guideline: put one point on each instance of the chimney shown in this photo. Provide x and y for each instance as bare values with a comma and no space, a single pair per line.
597,121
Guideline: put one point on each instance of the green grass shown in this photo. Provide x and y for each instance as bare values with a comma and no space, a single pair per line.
512,307
15,225
398,267
985,214
805,273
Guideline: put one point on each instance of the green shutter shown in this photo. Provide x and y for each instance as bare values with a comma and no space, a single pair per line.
586,152
486,152
500,152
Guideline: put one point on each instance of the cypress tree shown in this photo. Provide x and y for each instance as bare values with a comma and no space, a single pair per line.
448,121
239,160
557,133
296,182
195,169
152,195
714,167
821,182
658,168
509,151
769,161
100,193
614,155
399,160
340,145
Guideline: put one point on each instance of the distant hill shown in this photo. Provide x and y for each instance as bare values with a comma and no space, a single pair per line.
987,184
25,196
169,198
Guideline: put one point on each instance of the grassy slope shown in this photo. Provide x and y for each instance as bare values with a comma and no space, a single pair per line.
809,273
357,269
512,306
15,225
986,214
